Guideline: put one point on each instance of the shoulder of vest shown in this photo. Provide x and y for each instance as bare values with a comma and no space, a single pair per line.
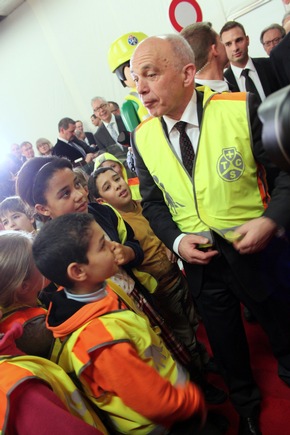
151,118
230,96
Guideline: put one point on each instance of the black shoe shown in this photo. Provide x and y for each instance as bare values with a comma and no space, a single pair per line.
212,394
249,426
249,316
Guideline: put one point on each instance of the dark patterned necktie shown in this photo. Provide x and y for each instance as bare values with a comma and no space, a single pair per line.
186,148
250,85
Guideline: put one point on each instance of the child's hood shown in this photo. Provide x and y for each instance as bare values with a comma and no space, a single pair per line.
66,315
107,156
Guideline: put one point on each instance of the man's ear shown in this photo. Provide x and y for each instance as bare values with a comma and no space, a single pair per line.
189,73
24,287
42,209
213,49
76,272
100,200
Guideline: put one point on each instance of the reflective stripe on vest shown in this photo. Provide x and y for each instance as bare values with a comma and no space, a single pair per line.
225,192
120,326
15,370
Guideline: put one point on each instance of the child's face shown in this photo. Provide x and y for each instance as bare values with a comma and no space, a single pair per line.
31,287
64,195
114,165
17,221
113,189
35,283
102,263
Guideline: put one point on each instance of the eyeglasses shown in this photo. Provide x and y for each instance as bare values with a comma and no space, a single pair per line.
43,144
101,107
274,41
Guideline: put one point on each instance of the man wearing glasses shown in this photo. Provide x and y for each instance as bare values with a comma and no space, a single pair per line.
271,36
108,133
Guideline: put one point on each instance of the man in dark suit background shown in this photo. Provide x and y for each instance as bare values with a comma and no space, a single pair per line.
107,134
85,136
69,146
260,70
280,56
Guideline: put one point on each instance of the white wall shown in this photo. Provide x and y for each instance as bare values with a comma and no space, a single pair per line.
54,56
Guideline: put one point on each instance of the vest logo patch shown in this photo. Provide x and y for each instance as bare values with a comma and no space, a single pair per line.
230,165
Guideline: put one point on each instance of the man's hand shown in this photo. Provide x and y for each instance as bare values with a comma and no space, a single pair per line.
255,235
89,157
189,251
170,255
123,254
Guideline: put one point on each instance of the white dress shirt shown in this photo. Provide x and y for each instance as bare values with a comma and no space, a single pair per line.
192,129
241,80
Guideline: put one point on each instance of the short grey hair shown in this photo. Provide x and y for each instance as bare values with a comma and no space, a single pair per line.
181,49
98,98
272,27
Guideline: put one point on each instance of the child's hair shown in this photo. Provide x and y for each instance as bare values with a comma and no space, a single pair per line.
42,141
16,263
32,179
59,243
92,185
14,204
82,177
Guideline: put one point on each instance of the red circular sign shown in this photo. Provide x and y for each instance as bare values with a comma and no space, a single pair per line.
184,12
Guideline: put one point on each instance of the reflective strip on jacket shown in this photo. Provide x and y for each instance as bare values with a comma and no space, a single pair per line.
122,326
15,370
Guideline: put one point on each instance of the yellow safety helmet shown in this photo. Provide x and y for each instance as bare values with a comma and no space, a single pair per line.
122,49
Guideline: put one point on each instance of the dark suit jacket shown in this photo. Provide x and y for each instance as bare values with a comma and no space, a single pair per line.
90,138
280,59
246,267
265,72
102,136
62,149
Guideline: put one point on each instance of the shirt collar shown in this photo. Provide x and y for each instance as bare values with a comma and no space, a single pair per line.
238,71
62,139
113,119
189,115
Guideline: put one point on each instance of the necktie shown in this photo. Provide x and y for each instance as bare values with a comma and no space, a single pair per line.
250,85
113,131
186,148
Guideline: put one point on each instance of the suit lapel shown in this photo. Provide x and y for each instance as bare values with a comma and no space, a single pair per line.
263,77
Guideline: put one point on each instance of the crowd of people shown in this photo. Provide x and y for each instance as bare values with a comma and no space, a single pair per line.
109,262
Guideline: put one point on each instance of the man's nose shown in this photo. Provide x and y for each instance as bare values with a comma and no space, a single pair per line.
141,86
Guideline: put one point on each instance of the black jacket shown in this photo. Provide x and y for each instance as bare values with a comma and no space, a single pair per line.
265,72
102,136
62,149
280,59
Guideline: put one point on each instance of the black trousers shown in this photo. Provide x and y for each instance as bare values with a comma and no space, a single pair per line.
219,305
